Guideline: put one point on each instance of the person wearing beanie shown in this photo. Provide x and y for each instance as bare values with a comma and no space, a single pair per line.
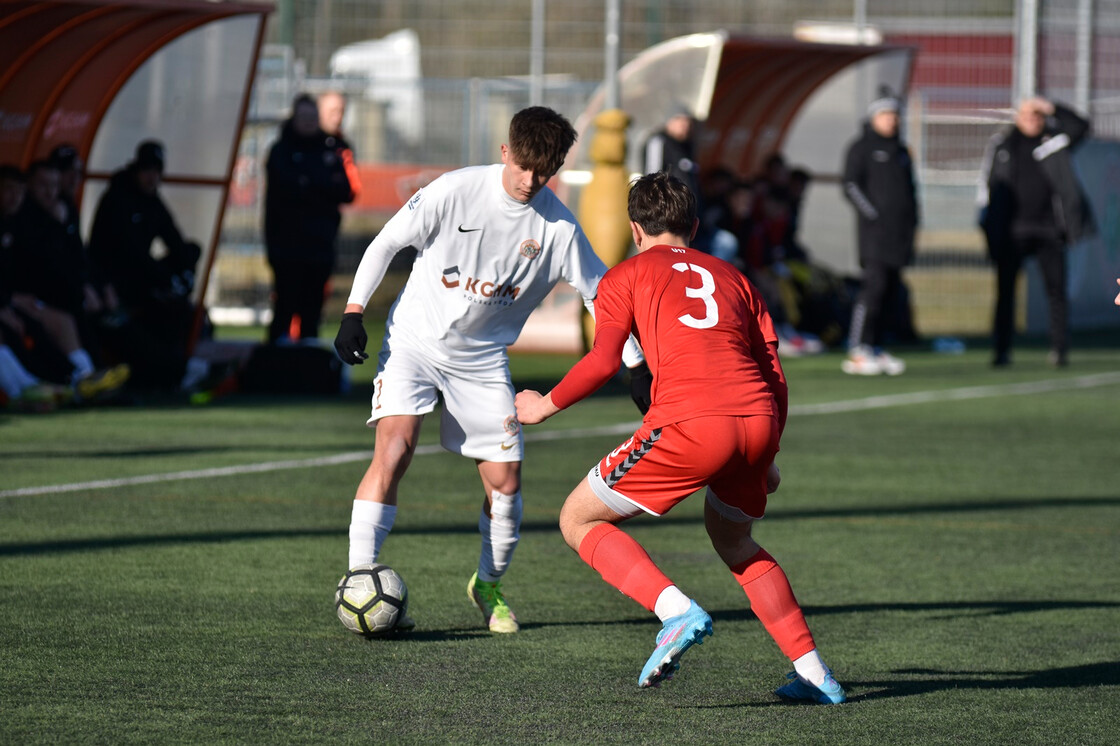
878,180
154,292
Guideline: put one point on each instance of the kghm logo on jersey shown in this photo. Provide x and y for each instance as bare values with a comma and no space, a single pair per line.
482,292
530,249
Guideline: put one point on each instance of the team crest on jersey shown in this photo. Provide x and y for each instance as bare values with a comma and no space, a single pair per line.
511,425
530,249
451,277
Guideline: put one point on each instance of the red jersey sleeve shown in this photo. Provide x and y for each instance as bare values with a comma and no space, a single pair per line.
593,370
613,319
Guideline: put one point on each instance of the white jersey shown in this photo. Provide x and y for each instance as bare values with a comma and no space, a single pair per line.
484,261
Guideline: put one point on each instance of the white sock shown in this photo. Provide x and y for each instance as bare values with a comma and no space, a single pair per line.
370,523
196,370
83,364
14,378
811,668
500,533
671,603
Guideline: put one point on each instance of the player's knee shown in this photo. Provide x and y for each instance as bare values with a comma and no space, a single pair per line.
734,550
511,485
732,540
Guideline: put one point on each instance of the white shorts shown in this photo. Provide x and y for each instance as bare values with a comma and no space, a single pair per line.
478,420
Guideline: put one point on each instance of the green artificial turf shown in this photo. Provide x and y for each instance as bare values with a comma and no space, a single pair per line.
951,533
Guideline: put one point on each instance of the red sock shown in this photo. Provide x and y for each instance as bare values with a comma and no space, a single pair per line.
772,601
623,563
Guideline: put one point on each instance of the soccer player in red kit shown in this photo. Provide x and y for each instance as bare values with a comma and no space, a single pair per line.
719,403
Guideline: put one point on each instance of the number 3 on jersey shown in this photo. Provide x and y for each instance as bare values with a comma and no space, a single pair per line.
704,292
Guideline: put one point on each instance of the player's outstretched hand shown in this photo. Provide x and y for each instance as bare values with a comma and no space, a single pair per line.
350,344
773,478
533,407
641,384
1117,301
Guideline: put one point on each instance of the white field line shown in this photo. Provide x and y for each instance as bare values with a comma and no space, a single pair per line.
624,428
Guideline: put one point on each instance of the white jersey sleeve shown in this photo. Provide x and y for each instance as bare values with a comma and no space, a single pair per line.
410,226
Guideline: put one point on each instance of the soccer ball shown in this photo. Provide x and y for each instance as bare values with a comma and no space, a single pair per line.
371,599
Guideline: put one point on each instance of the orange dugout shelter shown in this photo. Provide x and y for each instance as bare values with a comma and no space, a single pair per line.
104,75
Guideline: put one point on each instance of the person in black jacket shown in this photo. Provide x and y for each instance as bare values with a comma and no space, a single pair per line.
307,182
48,311
153,287
1031,204
670,150
879,182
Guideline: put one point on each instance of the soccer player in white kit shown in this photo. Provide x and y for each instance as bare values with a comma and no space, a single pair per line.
491,242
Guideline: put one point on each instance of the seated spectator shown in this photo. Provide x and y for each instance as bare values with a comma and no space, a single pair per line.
154,288
715,184
39,343
819,295
51,263
71,169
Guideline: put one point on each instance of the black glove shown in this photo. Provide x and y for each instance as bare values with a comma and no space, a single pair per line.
350,344
641,381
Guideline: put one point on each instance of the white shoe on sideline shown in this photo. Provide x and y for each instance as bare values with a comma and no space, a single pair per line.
890,364
862,361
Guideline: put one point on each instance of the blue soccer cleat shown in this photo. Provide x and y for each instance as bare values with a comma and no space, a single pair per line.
677,635
798,689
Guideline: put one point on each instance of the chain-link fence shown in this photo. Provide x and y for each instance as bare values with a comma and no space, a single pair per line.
432,85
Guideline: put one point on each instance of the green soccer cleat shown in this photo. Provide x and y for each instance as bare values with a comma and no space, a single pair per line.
101,384
487,598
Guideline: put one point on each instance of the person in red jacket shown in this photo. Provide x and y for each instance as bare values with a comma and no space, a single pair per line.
718,407
332,110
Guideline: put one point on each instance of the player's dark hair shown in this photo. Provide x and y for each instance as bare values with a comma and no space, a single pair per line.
661,203
539,139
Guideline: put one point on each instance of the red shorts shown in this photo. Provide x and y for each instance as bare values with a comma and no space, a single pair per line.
656,469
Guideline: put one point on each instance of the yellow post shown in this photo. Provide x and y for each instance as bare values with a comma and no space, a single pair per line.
602,204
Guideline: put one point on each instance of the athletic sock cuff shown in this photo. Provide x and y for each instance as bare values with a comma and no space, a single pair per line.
591,541
754,568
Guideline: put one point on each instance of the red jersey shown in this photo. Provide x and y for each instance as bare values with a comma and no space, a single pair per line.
704,330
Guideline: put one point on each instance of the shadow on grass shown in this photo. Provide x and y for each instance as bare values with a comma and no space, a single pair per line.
70,455
430,635
933,680
915,682
469,527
